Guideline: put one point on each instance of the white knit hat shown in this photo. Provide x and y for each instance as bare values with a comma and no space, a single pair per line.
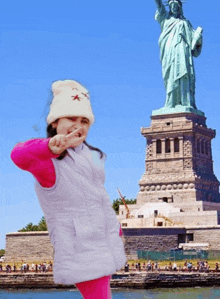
70,99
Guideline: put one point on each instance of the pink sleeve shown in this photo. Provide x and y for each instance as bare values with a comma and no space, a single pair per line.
35,156
120,231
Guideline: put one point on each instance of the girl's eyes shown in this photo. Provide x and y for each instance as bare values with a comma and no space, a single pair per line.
85,121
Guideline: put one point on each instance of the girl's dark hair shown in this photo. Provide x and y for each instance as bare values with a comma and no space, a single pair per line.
52,132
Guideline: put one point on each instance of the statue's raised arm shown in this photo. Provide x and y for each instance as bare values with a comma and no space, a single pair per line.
159,4
178,43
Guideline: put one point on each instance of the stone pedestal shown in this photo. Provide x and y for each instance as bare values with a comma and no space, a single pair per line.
179,166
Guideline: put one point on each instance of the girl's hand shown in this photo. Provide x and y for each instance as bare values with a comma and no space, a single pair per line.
60,142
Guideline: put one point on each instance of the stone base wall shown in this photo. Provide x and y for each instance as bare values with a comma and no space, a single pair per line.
209,235
28,246
153,239
165,243
164,239
36,246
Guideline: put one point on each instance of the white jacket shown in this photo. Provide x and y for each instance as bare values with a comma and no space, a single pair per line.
82,225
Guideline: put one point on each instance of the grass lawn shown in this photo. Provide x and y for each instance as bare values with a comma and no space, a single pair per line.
161,264
19,264
180,263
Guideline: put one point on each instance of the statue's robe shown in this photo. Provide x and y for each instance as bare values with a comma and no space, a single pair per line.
176,56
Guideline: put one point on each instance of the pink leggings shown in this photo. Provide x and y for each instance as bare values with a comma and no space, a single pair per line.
95,289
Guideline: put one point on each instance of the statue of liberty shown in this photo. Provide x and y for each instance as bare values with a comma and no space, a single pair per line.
178,43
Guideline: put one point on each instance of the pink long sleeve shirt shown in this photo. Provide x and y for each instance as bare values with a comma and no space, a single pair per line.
35,157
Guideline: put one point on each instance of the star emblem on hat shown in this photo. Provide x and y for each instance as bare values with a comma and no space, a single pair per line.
76,97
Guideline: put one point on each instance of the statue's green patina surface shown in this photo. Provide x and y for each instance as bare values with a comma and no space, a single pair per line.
178,43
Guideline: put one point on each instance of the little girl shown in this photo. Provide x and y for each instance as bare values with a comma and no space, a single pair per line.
69,173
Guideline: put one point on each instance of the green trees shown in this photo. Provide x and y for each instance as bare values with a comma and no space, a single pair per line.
118,202
41,226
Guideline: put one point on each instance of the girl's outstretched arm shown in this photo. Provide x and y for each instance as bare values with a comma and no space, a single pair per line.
35,156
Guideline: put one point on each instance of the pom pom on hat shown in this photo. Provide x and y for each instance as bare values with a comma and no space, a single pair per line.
70,99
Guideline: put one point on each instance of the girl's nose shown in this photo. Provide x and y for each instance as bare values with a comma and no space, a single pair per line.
77,125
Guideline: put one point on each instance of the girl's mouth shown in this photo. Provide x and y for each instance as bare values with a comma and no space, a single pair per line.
77,135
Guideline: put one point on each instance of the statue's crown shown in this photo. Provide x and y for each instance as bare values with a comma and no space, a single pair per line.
180,2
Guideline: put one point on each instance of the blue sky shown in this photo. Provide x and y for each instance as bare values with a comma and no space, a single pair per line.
111,47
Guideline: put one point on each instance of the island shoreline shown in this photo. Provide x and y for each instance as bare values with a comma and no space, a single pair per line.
129,280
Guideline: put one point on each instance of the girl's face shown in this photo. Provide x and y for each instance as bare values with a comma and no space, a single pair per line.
67,125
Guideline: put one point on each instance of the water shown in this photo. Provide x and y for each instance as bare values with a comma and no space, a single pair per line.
177,293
